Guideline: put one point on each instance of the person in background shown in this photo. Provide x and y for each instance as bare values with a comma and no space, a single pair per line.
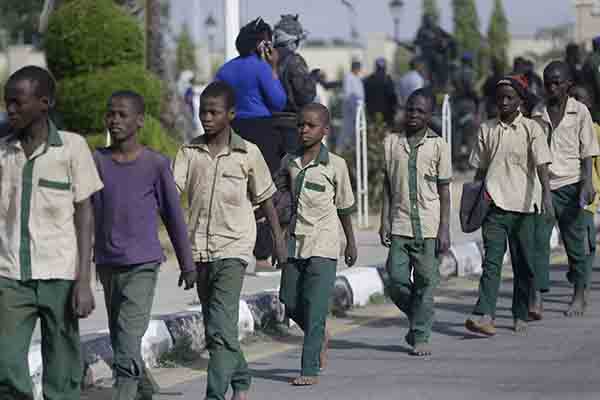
489,88
574,62
380,94
591,76
299,83
354,94
416,78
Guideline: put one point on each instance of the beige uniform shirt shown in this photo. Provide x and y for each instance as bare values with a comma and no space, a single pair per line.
37,205
570,142
323,191
413,175
511,154
221,193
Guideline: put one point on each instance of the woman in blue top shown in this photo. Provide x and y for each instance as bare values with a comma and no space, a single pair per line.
258,90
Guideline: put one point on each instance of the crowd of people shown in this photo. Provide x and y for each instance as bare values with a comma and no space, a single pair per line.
261,183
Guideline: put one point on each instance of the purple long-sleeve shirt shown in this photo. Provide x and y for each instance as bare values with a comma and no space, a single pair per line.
126,211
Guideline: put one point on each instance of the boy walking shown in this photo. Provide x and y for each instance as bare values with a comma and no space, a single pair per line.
224,176
570,133
46,179
415,216
138,185
322,194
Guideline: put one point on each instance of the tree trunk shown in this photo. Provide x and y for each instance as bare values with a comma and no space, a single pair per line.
154,41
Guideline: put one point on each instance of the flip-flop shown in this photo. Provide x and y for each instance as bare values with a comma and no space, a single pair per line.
304,381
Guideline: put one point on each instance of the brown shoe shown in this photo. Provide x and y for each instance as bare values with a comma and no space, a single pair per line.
484,326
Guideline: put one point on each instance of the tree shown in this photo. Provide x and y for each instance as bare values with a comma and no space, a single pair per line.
498,37
430,7
155,48
466,30
20,19
186,50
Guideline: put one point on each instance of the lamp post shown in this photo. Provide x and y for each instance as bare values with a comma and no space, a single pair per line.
211,29
396,8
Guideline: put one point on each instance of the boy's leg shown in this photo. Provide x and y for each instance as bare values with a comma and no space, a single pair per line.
494,242
290,290
426,278
398,268
131,292
317,285
18,314
221,314
541,264
523,252
573,229
61,346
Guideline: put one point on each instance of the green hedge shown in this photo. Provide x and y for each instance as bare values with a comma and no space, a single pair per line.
151,135
86,35
82,99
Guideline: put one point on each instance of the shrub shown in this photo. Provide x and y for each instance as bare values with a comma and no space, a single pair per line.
86,35
151,135
82,99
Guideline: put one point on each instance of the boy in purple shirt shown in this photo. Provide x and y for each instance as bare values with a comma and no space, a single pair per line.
138,186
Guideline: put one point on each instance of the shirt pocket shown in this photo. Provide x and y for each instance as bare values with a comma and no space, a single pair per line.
55,201
232,187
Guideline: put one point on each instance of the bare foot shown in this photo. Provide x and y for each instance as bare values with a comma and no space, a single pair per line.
485,325
578,303
536,306
305,381
520,326
240,396
421,350
324,348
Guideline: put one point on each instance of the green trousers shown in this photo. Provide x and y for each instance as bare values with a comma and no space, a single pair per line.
21,304
306,288
414,298
220,300
128,294
519,229
577,231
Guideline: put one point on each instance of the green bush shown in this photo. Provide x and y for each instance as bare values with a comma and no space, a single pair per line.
86,35
82,99
151,135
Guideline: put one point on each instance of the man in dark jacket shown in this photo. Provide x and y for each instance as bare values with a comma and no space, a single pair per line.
380,94
299,83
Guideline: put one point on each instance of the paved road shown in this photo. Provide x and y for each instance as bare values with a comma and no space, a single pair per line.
559,358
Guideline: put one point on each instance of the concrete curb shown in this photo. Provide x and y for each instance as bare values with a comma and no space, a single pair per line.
354,287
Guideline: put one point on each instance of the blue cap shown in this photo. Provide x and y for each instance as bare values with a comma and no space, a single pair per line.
380,62
467,56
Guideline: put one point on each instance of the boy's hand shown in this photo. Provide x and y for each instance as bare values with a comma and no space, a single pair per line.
350,254
443,241
281,252
587,194
202,284
189,277
548,206
82,299
385,237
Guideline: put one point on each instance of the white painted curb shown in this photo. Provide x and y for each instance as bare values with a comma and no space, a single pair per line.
364,283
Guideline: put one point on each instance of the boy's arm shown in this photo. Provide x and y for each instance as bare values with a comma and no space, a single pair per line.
346,206
172,216
443,238
385,230
589,148
351,253
271,214
83,299
180,170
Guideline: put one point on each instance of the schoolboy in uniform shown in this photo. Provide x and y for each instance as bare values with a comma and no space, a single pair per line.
415,216
224,176
322,194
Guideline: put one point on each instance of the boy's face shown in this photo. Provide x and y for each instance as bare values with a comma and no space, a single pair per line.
23,105
418,113
122,119
508,101
215,115
581,95
311,128
556,84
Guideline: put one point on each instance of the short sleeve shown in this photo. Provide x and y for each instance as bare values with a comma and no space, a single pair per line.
539,145
479,159
344,197
588,141
85,178
444,167
260,183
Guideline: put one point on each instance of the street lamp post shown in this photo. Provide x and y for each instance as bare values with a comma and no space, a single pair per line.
396,8
211,29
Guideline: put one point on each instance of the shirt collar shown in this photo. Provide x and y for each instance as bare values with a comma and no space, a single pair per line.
322,157
428,135
513,124
236,143
541,110
54,138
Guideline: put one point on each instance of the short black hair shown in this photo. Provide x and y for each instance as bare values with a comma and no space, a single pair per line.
134,97
559,66
220,89
319,109
42,78
425,93
251,35
355,65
